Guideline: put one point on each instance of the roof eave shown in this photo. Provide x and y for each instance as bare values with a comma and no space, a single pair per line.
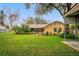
72,12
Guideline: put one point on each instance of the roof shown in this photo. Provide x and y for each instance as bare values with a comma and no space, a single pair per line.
43,25
55,22
73,11
37,25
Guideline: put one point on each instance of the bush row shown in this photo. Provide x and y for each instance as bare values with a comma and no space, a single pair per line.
68,36
23,29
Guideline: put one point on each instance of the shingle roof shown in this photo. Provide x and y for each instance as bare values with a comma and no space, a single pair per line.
37,25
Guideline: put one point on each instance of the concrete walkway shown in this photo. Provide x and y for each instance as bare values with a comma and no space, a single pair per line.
72,44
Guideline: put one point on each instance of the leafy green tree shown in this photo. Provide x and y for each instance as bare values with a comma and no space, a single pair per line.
29,20
23,29
40,20
36,20
44,8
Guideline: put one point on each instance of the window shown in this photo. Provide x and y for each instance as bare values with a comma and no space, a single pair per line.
60,29
55,29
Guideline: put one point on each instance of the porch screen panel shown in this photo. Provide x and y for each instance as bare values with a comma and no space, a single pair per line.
70,20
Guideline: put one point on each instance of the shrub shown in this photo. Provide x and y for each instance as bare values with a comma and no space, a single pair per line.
47,33
17,29
68,36
62,35
23,29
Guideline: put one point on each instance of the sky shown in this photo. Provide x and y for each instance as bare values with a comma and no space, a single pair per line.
52,16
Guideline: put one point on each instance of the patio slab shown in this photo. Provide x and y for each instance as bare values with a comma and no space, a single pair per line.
72,44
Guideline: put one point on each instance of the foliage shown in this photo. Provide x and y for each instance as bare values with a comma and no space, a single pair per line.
68,36
29,20
17,29
27,5
44,8
40,20
36,20
73,26
23,29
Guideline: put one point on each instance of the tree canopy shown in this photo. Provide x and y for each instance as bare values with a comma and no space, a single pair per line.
44,8
36,20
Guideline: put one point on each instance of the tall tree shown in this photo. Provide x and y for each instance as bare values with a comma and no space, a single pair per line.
40,20
2,17
11,16
29,20
36,20
44,8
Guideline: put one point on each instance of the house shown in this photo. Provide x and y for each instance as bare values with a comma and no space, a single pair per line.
52,28
56,27
37,27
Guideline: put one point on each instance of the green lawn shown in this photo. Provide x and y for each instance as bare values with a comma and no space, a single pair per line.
34,45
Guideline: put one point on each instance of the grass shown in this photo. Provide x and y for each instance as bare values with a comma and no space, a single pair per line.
33,45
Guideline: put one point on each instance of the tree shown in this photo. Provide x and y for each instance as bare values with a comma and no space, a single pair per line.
36,20
2,17
40,20
29,20
44,8
11,16
23,29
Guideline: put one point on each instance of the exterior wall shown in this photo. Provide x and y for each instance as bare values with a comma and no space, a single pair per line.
50,28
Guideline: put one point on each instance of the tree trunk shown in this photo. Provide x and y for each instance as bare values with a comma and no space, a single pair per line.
10,26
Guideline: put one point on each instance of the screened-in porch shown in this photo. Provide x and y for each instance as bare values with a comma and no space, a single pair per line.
72,26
